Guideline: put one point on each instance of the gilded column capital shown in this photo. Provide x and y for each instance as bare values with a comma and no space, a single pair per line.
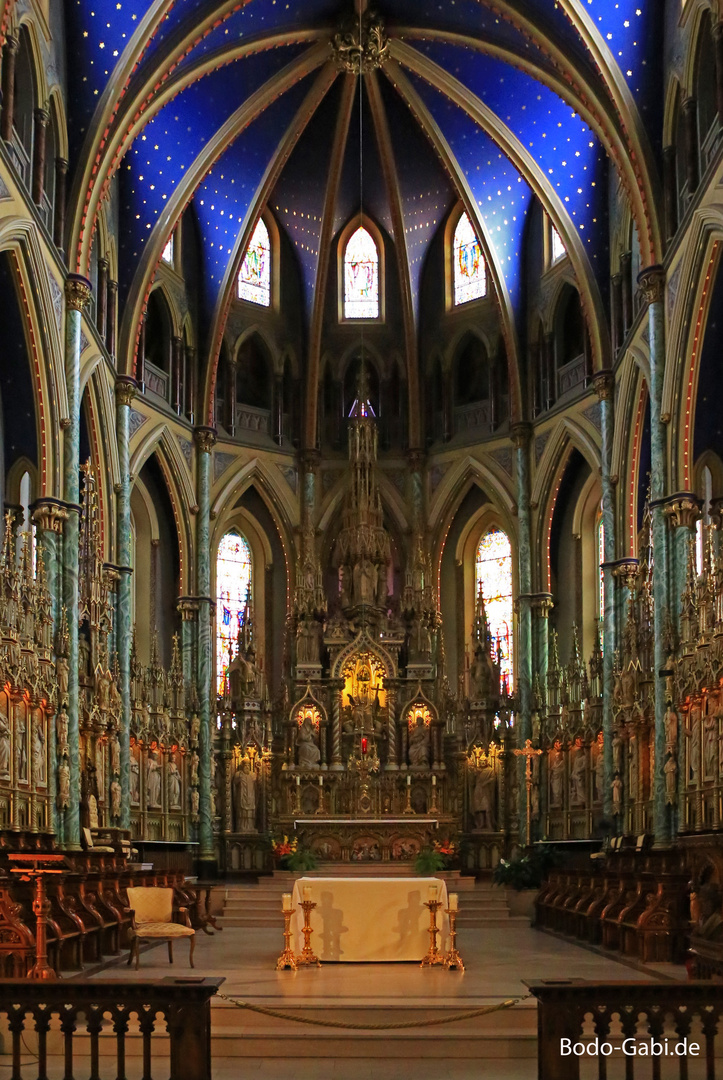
542,603
652,283
125,389
625,570
682,509
77,292
205,438
187,607
604,383
49,515
521,433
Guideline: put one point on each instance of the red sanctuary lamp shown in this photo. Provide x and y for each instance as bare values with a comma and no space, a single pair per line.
364,744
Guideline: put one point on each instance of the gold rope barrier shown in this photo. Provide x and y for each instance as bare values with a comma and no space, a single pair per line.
374,1027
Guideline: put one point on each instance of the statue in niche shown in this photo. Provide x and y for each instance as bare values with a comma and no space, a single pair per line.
194,767
103,682
419,745
483,797
308,755
114,754
195,802
577,778
195,728
710,745
479,676
693,733
244,799
153,780
174,784
557,772
5,744
671,728
61,728
61,672
63,784
617,796
21,753
40,772
135,779
628,686
617,752
599,769
92,812
115,798
671,772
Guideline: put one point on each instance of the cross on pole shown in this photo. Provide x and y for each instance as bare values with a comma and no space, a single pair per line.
529,752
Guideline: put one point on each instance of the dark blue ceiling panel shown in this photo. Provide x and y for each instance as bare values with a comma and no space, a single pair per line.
469,17
362,187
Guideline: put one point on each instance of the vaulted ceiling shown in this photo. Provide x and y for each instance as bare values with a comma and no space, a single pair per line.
231,106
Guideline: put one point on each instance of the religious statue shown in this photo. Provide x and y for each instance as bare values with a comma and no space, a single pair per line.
693,733
40,773
557,769
671,729
174,784
710,746
61,729
62,672
21,753
244,799
114,754
115,799
92,811
135,779
4,744
195,728
194,767
194,803
628,686
599,769
671,771
617,796
483,797
617,752
578,796
102,689
479,676
419,745
308,755
153,780
63,784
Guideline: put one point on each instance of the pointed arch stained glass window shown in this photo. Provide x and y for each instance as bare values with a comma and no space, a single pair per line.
493,574
557,248
470,272
361,276
233,589
254,279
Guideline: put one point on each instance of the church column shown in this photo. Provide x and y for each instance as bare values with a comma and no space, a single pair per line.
682,511
77,295
521,433
41,118
652,282
125,389
188,608
542,605
205,438
61,196
10,52
336,690
605,390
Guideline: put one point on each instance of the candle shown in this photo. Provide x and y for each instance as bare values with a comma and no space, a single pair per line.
321,781
432,892
286,902
307,892
298,780
434,780
453,901
409,781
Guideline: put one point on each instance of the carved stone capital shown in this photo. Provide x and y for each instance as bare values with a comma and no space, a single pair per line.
125,389
49,515
625,570
205,438
604,383
77,292
521,434
187,607
652,283
682,509
542,604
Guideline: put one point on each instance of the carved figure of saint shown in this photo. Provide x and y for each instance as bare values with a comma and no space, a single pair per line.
617,753
4,744
92,812
617,795
115,799
63,784
135,779
557,770
114,754
61,729
195,728
244,799
419,745
21,753
174,784
483,798
479,676
693,733
40,773
710,746
194,767
194,803
599,769
308,752
671,771
153,780
61,672
577,779
671,729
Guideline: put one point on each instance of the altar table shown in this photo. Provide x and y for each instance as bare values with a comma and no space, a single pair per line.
369,919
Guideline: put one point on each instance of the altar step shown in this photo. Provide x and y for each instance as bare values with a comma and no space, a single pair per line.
252,906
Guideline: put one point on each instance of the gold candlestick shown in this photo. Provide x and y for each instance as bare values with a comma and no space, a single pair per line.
434,956
308,956
452,959
287,959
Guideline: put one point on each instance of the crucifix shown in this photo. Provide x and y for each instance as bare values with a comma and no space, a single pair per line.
528,753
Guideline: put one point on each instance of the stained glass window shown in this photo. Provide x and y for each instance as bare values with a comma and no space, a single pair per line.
494,577
601,560
470,272
254,279
233,589
168,251
557,248
361,276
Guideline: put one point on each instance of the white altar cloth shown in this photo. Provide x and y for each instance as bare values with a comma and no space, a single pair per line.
369,919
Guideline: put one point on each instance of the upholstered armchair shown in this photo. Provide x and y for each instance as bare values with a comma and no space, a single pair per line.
152,918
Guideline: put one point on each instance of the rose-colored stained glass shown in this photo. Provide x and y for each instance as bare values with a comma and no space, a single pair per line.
233,589
361,276
494,576
254,279
470,272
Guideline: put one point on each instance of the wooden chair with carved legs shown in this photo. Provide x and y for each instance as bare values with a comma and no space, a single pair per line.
152,919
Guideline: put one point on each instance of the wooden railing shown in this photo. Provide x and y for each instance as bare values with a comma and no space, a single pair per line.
643,1030
63,1024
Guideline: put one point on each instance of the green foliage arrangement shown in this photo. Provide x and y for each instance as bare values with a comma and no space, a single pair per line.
429,861
526,871
301,859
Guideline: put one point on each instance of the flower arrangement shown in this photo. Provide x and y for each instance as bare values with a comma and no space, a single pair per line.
289,856
447,849
439,856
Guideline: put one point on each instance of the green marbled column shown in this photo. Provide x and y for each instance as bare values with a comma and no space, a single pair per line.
682,511
77,294
415,489
523,721
605,387
652,282
188,608
125,389
541,606
205,438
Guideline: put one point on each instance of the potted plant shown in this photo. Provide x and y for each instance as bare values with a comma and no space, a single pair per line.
289,856
523,876
428,861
